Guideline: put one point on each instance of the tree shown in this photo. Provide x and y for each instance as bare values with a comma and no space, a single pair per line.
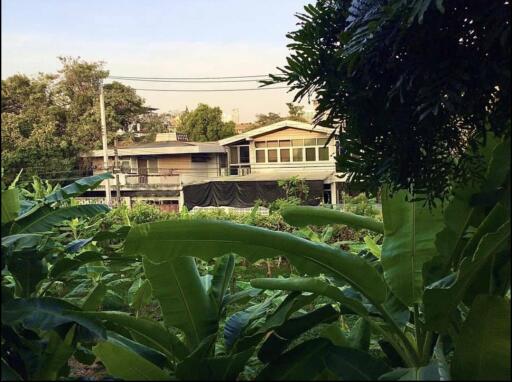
34,129
48,120
414,84
205,124
267,119
295,112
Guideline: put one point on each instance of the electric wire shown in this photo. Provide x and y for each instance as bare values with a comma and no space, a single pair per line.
189,78
211,90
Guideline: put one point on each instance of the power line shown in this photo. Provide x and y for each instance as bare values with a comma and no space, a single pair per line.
188,81
211,90
188,78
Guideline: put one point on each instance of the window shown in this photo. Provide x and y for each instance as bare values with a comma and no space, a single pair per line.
272,144
310,142
260,145
272,156
323,153
298,142
284,143
310,154
233,154
297,154
125,166
153,166
244,154
260,156
321,141
285,155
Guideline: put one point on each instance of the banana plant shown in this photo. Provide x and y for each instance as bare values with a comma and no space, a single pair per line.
40,333
439,269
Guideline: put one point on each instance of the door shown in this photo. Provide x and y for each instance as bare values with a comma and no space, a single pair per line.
142,164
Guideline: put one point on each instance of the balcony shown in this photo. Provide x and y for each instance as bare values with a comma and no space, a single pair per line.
161,180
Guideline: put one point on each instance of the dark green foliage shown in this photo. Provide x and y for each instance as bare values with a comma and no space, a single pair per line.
205,124
410,87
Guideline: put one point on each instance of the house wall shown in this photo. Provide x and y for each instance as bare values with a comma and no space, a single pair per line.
289,134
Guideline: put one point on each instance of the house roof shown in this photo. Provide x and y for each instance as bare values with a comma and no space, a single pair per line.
162,148
275,126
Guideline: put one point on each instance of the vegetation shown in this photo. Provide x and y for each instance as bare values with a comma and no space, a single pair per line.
295,113
204,123
407,113
50,119
417,292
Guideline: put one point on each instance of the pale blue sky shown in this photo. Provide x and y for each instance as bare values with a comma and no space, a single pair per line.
157,38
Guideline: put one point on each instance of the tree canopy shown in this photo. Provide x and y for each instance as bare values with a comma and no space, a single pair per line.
411,87
295,113
48,120
205,123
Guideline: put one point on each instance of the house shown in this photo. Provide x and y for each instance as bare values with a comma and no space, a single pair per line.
235,171
156,172
258,158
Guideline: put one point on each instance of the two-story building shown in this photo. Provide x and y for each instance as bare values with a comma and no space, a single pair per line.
235,171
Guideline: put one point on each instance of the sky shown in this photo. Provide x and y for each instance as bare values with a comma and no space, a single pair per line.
159,38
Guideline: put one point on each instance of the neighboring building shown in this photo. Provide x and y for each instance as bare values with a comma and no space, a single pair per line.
235,171
258,158
156,172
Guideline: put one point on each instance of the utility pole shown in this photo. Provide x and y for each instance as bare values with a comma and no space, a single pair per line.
116,171
105,148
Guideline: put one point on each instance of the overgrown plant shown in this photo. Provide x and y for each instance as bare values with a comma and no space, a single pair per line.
440,272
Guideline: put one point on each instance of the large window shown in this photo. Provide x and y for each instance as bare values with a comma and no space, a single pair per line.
294,150
239,160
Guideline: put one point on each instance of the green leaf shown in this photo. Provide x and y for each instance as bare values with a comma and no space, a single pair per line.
238,322
184,302
124,363
241,297
22,242
360,334
56,355
10,205
440,303
301,216
311,359
45,218
482,349
8,373
77,188
409,233
424,373
312,285
95,297
224,368
66,264
160,242
28,269
282,336
374,248
142,296
222,274
46,313
153,333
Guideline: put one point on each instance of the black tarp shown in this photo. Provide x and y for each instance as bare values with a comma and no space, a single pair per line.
243,193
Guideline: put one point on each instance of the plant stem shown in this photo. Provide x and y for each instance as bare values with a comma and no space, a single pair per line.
418,331
427,344
409,347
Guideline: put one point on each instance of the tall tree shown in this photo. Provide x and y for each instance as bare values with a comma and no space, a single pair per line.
414,84
205,124
295,112
47,121
267,119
